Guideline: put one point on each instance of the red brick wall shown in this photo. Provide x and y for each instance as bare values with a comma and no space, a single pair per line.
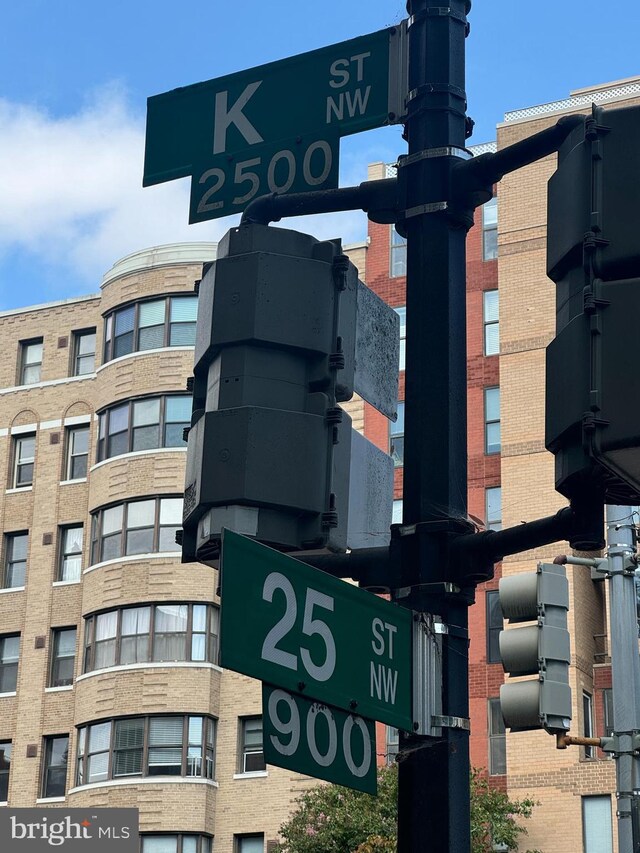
484,471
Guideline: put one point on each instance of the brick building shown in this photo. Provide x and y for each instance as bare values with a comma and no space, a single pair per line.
574,787
110,694
109,690
386,267
511,479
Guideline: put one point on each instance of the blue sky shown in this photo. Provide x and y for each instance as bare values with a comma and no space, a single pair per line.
75,76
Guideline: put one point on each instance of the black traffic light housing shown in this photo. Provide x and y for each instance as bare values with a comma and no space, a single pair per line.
284,326
593,255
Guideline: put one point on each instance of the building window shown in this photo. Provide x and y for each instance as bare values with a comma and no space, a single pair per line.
161,632
587,722
397,254
402,314
146,746
497,740
176,843
136,527
494,625
5,766
30,361
84,352
396,438
248,844
492,442
491,322
9,655
392,744
54,773
167,322
396,517
252,756
62,657
166,739
493,508
77,452
607,702
143,425
70,560
24,448
490,230
597,832
15,566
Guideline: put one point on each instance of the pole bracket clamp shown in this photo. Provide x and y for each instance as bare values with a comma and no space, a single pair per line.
447,722
428,153
436,89
437,12
438,588
434,207
451,630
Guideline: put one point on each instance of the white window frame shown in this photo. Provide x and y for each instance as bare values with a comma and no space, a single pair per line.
19,460
493,521
397,254
587,722
491,421
248,750
490,321
25,365
490,226
497,741
396,436
80,357
597,828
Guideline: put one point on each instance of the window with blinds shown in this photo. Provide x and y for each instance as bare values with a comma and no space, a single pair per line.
491,322
150,324
173,745
596,824
252,754
143,424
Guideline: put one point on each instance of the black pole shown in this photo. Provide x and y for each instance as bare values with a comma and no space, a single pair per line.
433,803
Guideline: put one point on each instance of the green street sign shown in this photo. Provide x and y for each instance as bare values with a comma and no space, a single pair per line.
274,128
318,740
304,164
300,629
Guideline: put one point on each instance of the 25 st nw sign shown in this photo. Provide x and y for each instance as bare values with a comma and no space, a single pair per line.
295,627
274,128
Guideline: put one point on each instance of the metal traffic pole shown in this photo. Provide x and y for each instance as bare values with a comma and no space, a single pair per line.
625,669
433,802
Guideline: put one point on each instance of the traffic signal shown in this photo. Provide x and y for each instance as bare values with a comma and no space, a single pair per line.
540,649
270,453
593,255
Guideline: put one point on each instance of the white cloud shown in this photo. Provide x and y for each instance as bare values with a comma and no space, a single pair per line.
72,188
72,196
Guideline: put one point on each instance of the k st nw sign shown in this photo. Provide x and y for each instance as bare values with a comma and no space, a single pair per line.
274,128
297,628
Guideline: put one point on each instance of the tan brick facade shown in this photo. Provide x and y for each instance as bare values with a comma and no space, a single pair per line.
232,803
557,780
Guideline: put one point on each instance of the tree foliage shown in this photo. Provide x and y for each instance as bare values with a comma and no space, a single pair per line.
332,819
493,817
